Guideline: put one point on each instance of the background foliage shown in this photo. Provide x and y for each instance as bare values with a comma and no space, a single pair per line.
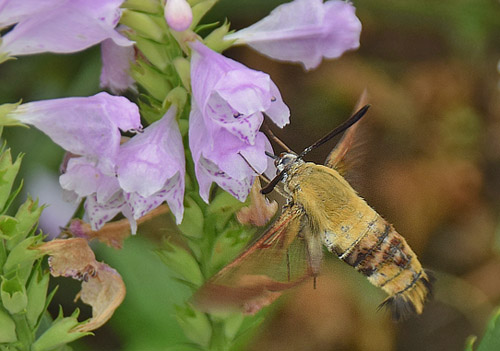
430,165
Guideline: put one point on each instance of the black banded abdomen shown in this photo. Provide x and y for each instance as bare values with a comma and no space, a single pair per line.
384,257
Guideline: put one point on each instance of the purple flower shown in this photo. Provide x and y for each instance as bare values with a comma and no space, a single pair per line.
304,31
227,109
87,126
13,11
221,157
178,14
63,27
148,170
116,60
151,167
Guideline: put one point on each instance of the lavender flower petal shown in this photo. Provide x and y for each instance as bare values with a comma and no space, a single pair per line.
304,31
69,27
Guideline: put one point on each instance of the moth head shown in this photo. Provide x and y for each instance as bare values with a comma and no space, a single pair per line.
285,160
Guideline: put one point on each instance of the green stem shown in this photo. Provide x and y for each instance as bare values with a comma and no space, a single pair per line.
24,333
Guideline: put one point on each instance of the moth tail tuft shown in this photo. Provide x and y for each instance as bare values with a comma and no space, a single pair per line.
411,300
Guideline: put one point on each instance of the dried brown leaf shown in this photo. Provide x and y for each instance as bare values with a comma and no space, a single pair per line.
260,210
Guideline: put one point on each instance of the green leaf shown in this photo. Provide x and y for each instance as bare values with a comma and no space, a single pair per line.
215,40
8,173
20,260
147,25
200,9
195,325
155,82
27,217
181,262
223,206
156,53
491,339
7,328
232,325
6,118
13,294
183,68
227,246
192,223
37,294
151,6
469,343
60,333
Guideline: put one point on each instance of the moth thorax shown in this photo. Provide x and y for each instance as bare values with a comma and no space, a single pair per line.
285,160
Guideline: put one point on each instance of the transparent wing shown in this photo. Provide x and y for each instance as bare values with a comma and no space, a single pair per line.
346,153
277,261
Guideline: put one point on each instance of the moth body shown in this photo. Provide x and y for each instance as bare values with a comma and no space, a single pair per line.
340,219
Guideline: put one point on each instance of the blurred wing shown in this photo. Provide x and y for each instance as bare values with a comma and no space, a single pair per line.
345,155
277,261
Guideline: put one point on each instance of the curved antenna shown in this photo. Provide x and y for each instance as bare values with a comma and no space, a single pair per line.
341,128
269,187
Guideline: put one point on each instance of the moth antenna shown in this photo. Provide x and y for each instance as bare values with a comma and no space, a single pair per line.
272,183
270,155
266,180
271,135
340,129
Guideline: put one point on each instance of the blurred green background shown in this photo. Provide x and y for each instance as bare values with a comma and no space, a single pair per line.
430,164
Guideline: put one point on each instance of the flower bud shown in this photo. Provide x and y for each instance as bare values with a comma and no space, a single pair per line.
14,297
178,14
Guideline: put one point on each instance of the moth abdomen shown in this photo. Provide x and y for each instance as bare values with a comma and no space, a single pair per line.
384,257
406,303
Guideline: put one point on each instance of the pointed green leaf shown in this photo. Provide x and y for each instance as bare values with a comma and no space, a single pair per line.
26,218
192,223
200,9
147,25
195,325
7,328
37,294
215,40
491,339
8,173
20,260
6,118
59,333
181,263
151,79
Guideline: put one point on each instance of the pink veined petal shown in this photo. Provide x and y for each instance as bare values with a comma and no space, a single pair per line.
99,213
233,157
199,136
172,193
212,72
115,73
278,111
304,31
148,160
178,14
233,96
344,28
239,188
84,178
246,91
245,127
72,26
82,125
13,11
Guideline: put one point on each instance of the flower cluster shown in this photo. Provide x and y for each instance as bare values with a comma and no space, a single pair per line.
228,100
